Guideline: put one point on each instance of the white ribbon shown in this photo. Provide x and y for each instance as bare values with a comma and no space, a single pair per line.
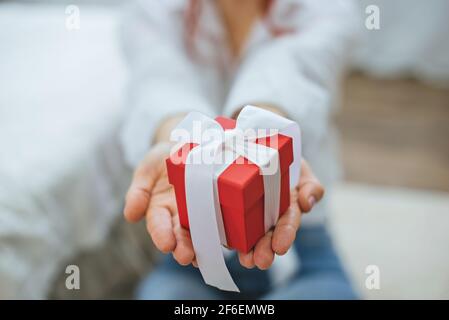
203,207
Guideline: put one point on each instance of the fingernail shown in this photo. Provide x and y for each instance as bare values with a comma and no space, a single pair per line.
311,201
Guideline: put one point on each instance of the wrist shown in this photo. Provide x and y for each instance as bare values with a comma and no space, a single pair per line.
165,127
266,106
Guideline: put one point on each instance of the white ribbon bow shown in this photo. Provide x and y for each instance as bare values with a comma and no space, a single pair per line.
204,165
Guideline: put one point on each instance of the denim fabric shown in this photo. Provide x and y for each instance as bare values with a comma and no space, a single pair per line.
321,276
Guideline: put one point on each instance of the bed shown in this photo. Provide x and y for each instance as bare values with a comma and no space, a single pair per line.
62,178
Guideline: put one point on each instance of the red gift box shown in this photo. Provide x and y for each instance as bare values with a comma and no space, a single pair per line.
240,189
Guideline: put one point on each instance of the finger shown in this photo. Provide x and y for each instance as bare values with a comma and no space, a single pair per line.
144,179
309,195
135,205
183,252
160,228
195,263
247,259
263,253
285,230
139,192
310,190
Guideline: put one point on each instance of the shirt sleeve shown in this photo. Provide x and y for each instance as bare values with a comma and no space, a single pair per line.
162,79
299,72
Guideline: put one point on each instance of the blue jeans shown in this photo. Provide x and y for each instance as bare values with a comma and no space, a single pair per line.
321,276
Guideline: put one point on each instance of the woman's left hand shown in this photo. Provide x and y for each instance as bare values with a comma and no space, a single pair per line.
279,240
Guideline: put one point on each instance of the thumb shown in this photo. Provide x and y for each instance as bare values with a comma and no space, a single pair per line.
145,176
310,190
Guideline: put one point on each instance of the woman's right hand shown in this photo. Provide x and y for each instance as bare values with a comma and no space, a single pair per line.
151,196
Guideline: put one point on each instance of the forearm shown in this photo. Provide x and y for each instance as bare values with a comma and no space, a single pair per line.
162,133
266,106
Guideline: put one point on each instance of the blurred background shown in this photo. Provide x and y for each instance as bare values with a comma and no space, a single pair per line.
63,178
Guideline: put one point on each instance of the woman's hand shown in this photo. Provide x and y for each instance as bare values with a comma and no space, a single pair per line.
151,196
308,192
